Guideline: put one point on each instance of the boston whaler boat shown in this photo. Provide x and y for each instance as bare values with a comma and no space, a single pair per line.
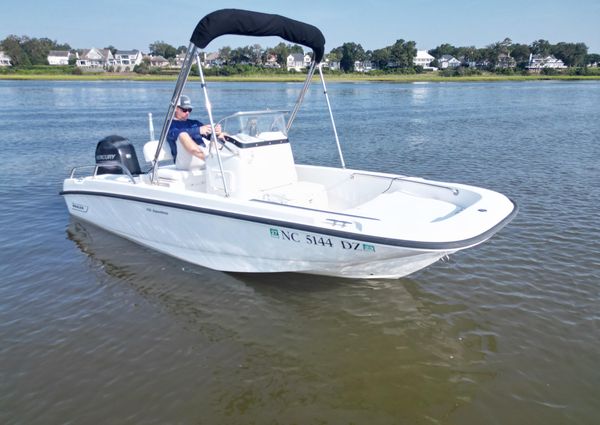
249,208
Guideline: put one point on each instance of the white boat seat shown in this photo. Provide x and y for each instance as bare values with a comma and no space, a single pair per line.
170,176
302,193
150,151
174,175
187,161
169,172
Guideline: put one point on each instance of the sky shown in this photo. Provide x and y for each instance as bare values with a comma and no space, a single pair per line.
374,24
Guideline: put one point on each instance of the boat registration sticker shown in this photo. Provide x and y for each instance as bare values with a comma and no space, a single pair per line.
367,247
319,240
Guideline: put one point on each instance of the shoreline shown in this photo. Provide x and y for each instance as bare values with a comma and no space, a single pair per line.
352,78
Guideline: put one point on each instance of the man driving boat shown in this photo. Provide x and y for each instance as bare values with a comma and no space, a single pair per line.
188,133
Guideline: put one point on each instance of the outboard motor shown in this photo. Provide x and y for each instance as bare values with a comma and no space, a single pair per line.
114,150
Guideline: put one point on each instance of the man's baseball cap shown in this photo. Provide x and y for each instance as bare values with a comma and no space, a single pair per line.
185,102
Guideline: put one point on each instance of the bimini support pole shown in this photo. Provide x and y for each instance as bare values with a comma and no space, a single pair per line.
307,82
337,140
179,86
151,125
213,138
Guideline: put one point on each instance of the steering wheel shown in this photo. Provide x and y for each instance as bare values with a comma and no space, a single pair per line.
222,143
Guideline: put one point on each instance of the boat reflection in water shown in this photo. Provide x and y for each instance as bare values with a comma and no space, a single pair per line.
254,336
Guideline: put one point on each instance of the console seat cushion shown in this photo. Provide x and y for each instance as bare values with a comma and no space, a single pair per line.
150,151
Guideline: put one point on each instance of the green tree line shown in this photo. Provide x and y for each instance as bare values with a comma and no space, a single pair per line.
572,54
25,51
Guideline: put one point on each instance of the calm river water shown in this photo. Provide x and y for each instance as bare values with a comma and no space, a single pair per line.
95,329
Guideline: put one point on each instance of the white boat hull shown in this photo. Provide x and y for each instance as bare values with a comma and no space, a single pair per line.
245,236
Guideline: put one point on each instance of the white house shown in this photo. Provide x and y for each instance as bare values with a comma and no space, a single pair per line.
363,66
60,57
4,59
481,64
297,61
126,60
448,61
423,59
179,60
334,65
331,64
212,60
95,58
538,62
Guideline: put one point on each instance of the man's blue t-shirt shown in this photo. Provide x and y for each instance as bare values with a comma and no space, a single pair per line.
191,127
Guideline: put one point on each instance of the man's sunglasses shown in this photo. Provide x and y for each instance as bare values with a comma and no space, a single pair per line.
185,109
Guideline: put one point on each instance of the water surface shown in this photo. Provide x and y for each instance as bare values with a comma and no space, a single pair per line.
95,329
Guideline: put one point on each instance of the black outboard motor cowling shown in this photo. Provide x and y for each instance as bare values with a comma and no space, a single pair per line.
114,150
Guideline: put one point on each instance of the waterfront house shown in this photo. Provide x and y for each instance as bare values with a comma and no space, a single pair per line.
126,60
505,61
539,62
95,59
60,57
480,64
448,61
158,61
179,58
334,65
363,66
423,59
212,60
297,61
4,59
271,62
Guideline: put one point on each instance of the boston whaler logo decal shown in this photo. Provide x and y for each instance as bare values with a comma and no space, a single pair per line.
79,207
318,240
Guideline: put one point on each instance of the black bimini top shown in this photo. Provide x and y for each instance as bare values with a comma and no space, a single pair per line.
245,22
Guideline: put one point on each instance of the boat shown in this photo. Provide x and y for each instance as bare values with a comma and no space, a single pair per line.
249,207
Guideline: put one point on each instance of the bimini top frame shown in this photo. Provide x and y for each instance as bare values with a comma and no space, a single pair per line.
244,22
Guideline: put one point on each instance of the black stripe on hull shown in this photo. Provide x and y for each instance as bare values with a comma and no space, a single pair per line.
432,246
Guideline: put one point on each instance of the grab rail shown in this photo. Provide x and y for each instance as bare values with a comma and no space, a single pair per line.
454,190
115,164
